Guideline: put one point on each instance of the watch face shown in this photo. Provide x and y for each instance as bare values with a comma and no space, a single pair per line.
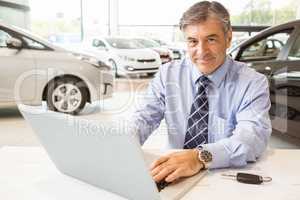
206,156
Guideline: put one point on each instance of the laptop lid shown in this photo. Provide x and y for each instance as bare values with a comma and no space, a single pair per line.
97,152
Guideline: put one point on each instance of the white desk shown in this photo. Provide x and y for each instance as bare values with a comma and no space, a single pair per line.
26,173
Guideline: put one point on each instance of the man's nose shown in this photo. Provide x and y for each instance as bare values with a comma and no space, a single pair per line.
201,47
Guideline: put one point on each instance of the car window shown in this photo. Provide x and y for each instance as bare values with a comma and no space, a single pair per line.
233,53
121,43
267,48
147,43
31,44
3,37
295,51
98,43
278,44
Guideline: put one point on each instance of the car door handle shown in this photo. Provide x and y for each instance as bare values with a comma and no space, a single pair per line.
267,68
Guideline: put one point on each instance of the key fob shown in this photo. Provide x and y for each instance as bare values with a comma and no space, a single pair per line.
249,178
162,184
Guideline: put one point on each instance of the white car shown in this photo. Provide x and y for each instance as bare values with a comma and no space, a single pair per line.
165,54
127,57
179,51
33,70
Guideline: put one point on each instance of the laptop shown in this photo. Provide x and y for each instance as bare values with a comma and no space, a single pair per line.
101,154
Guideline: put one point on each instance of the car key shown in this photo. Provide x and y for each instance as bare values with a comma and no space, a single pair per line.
249,178
162,184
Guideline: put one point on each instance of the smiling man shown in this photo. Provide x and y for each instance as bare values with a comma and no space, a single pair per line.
216,109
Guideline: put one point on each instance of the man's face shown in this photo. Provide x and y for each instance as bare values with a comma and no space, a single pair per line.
207,44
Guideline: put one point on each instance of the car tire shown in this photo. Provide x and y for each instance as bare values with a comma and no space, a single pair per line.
114,67
67,95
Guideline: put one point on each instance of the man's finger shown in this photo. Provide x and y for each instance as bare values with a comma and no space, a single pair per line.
174,175
164,173
158,162
158,168
155,171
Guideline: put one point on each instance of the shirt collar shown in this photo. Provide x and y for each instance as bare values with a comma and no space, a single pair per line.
216,77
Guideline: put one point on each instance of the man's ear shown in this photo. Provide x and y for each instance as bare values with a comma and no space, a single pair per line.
228,38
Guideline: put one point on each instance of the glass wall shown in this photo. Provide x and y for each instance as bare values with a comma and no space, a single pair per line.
15,13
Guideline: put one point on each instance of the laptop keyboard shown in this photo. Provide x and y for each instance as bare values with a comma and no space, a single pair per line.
162,184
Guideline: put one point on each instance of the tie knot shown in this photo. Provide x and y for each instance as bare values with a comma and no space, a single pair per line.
203,80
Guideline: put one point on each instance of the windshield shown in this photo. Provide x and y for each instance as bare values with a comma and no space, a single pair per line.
119,43
147,43
162,43
29,34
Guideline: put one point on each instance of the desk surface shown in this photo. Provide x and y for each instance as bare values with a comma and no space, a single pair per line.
28,174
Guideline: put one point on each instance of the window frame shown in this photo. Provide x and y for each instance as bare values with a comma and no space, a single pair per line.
293,42
282,52
20,36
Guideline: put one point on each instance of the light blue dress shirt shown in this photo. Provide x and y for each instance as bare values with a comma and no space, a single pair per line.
239,125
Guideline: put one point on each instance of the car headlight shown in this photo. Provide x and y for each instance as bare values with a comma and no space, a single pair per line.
127,58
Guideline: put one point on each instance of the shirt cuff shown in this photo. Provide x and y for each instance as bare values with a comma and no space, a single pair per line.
220,155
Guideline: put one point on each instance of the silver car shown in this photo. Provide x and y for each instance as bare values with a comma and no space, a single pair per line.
33,70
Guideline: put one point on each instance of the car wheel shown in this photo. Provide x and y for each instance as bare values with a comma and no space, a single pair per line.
114,67
67,95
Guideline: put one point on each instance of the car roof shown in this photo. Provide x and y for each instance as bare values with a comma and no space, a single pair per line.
291,24
284,26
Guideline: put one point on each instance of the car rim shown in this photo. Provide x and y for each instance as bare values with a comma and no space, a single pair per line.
66,98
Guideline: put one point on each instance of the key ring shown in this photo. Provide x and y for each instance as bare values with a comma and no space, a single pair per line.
267,179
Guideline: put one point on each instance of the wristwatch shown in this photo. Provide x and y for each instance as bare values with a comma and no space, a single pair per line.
205,157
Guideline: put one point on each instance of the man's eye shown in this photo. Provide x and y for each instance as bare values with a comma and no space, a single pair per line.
211,39
192,42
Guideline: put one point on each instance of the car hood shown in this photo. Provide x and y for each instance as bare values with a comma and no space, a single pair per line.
137,53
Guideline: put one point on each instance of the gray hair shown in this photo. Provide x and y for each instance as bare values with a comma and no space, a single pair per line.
202,10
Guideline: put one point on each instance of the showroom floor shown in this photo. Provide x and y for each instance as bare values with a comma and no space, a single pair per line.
15,131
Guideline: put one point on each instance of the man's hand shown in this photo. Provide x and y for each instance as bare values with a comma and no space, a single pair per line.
175,165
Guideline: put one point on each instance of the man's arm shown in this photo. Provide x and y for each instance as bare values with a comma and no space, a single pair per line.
252,130
150,111
248,141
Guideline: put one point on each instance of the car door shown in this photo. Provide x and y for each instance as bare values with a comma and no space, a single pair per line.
267,55
286,92
15,66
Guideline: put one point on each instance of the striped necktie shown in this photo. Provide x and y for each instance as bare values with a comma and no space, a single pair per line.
197,127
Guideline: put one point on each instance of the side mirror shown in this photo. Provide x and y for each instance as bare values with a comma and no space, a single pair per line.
14,43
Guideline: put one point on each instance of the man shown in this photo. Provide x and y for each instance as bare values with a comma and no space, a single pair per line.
215,108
